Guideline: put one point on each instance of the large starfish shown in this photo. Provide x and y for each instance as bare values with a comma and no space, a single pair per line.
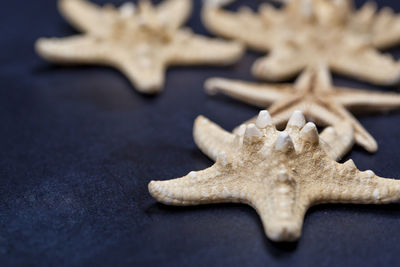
140,41
280,174
314,94
305,32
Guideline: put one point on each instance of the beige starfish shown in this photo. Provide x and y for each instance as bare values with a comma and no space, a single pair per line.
314,94
382,27
305,32
280,174
140,41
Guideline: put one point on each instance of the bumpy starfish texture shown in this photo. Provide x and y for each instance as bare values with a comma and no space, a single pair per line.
280,174
304,33
139,41
314,94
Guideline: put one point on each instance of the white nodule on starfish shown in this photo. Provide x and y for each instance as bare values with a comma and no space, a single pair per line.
241,130
127,9
284,143
264,119
310,133
297,119
252,131
117,38
304,33
281,176
316,96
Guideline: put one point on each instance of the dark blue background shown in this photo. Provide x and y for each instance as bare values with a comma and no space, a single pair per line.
78,146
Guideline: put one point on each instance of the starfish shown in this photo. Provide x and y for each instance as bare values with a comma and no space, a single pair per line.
314,94
304,33
280,174
140,42
382,27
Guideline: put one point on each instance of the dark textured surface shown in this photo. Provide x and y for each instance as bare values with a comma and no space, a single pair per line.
79,145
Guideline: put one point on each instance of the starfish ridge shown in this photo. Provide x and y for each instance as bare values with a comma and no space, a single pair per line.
314,94
280,174
140,41
303,33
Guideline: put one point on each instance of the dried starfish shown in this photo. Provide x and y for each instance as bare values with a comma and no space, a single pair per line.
314,94
280,174
382,27
140,41
304,33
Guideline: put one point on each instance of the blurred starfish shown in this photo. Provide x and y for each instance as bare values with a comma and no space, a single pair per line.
140,41
306,32
280,174
314,94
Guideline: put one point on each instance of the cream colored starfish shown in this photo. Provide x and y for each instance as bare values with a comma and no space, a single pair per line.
382,27
140,41
314,94
305,32
280,174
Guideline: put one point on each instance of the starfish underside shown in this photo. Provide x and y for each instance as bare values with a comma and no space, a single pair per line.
314,94
141,42
280,174
305,33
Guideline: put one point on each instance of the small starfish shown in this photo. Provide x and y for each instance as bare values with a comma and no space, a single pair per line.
140,41
305,33
314,94
280,174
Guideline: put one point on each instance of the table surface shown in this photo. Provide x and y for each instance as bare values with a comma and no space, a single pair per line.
79,146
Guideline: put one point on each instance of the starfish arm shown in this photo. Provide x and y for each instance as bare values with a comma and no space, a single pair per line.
386,29
366,100
281,64
77,49
146,74
202,187
243,26
174,12
251,93
195,49
335,114
282,220
337,140
85,16
349,185
383,26
362,19
367,64
212,139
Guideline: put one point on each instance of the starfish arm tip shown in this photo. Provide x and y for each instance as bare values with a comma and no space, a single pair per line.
370,145
152,187
39,44
45,47
211,85
261,70
284,233
159,191
149,89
